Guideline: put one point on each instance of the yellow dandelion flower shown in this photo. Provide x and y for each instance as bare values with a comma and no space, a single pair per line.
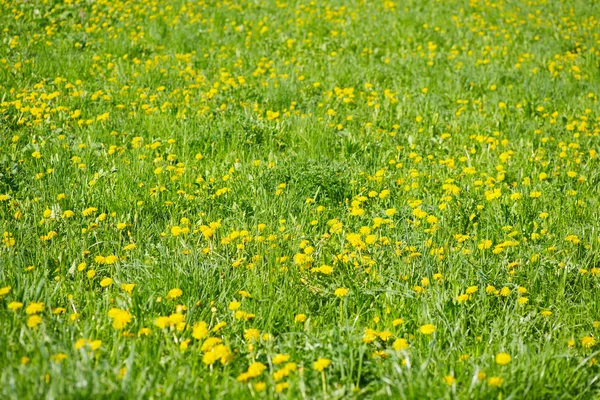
321,364
503,358
427,329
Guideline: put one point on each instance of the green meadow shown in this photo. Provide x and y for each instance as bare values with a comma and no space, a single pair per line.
299,199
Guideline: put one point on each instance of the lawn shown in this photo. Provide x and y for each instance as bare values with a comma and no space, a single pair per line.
224,199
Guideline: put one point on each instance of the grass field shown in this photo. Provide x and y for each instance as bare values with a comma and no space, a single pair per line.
299,199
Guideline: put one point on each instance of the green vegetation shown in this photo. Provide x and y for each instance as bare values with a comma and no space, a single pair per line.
301,199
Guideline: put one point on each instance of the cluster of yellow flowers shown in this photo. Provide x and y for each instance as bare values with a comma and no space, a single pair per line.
238,190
